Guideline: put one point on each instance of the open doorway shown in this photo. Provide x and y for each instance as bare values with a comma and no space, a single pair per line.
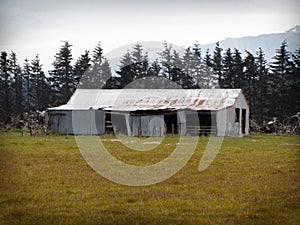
207,121
201,122
170,119
118,122
108,123
244,121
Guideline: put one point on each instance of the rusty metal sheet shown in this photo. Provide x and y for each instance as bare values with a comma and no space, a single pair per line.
151,99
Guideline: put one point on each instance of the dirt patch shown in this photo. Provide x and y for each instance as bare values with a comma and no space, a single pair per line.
111,140
151,143
289,144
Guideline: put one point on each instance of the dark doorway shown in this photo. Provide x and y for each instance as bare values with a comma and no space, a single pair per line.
119,124
201,123
243,121
207,120
108,123
170,119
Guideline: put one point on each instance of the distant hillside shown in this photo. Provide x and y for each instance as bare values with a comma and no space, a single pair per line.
268,42
153,48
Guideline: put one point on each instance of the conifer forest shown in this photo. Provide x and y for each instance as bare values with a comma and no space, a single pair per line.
272,88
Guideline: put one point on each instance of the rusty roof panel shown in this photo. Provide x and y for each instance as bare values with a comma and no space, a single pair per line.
151,99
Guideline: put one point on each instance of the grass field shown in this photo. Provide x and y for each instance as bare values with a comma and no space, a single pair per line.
254,180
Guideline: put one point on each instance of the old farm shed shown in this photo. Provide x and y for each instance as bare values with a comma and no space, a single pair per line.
153,112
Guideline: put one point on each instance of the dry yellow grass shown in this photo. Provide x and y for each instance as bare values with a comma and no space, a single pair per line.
254,180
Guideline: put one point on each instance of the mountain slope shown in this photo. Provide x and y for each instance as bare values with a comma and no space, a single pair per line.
268,42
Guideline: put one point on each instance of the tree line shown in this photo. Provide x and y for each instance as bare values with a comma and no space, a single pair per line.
271,88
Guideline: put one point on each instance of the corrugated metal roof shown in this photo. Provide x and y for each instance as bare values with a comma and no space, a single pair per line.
151,99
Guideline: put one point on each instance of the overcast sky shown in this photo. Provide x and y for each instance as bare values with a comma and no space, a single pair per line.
36,26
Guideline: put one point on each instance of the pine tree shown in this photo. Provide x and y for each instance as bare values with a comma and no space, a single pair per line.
166,61
191,68
177,69
81,70
134,65
17,84
98,54
98,75
154,69
217,63
5,88
238,68
202,78
228,73
294,87
153,78
249,84
213,79
125,70
106,73
140,62
27,86
188,61
177,75
63,83
40,88
197,49
262,86
95,76
281,69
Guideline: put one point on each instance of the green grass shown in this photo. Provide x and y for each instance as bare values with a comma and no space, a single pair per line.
253,180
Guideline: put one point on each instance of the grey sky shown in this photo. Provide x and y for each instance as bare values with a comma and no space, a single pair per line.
30,27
